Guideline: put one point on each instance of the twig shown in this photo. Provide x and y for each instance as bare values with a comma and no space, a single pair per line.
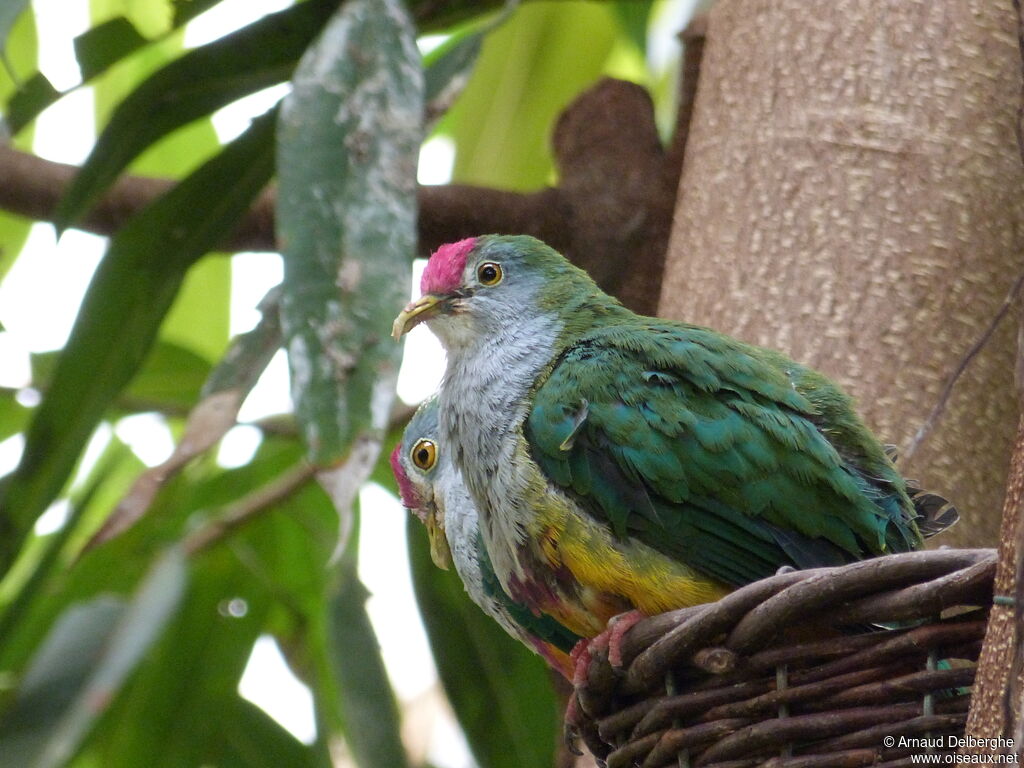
947,391
249,507
255,503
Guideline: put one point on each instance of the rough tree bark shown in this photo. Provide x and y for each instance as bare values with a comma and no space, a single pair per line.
851,194
996,699
994,708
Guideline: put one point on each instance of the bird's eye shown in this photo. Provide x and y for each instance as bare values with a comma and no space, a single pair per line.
424,454
489,273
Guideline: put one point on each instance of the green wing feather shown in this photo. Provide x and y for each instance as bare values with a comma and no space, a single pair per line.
732,458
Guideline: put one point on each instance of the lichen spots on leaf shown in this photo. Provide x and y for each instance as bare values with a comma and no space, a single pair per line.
444,270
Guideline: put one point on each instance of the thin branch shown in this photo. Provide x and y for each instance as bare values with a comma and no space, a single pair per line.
947,391
249,507
33,186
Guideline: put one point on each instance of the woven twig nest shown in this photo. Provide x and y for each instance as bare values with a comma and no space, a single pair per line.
800,669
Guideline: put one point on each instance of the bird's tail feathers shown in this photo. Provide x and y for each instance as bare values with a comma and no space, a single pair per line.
934,513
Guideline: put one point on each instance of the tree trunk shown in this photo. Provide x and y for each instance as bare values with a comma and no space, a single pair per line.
851,195
995,703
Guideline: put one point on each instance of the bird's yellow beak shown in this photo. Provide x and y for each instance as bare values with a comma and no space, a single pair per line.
440,552
415,312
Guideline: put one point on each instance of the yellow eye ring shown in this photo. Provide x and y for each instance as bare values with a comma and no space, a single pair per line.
424,454
489,273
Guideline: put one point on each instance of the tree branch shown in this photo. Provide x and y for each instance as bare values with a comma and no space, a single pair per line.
612,210
33,186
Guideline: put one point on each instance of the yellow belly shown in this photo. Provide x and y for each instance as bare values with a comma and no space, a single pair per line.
615,576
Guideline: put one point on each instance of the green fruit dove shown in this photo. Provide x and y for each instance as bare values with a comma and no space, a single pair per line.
433,490
620,462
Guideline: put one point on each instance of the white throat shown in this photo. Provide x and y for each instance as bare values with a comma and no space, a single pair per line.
483,404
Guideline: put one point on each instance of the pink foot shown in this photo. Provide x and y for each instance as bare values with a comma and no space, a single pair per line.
581,656
618,626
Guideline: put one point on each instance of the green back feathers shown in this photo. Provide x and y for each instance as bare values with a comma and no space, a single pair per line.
732,458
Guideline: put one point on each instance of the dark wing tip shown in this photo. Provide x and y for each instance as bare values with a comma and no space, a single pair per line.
934,513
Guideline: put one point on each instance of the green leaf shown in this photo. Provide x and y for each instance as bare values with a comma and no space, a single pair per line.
20,57
438,16
10,11
186,10
348,144
190,87
369,709
41,563
448,67
105,44
169,380
121,313
451,61
178,702
500,691
207,422
13,415
529,70
251,738
250,352
58,671
200,316
634,17
32,97
176,710
88,674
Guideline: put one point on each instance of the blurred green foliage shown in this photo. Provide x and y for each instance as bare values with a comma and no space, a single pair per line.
130,653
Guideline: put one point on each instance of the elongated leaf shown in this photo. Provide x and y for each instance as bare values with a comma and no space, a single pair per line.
447,68
33,96
58,671
271,571
20,56
441,15
171,377
250,352
186,10
529,70
10,10
451,61
201,81
348,144
634,16
500,691
88,675
223,393
169,380
106,44
199,317
40,571
13,415
121,313
250,738
176,711
369,709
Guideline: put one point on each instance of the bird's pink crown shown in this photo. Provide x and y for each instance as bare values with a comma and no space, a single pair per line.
406,490
444,269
